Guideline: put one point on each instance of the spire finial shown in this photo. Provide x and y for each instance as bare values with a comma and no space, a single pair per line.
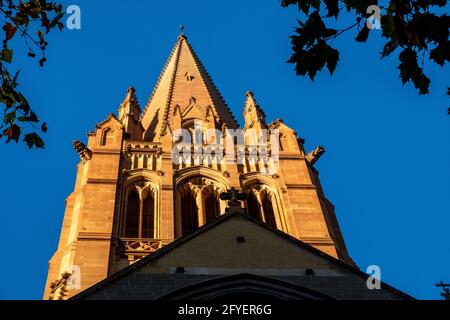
182,35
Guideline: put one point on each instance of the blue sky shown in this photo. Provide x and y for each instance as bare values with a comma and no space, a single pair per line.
386,168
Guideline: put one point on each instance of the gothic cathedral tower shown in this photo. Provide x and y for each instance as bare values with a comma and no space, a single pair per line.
132,197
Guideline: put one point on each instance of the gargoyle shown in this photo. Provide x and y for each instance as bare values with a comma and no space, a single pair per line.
83,151
314,155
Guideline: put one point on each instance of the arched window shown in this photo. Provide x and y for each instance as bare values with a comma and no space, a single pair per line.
107,137
140,211
212,208
189,213
269,214
253,206
132,215
197,202
148,217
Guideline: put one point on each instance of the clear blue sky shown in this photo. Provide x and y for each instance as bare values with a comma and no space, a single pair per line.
387,165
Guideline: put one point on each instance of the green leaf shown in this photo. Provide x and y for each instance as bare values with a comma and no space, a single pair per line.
7,98
360,6
332,57
309,32
12,133
303,5
56,22
388,48
363,34
309,62
387,25
24,105
34,140
44,127
410,71
21,19
7,55
10,30
332,8
31,118
40,36
441,53
9,117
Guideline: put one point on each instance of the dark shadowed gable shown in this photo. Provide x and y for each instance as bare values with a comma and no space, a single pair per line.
238,255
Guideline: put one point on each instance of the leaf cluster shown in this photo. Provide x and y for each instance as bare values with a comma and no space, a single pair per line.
411,26
31,20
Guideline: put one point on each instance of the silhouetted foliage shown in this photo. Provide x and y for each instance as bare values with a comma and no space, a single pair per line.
412,26
31,20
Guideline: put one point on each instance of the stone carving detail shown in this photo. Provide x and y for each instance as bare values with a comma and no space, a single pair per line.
83,151
144,156
275,122
140,246
189,77
144,189
135,249
315,155
60,286
199,184
257,189
234,199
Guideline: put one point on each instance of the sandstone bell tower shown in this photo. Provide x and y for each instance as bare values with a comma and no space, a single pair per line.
132,197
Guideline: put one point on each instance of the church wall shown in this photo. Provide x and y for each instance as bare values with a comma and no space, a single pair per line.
92,256
305,207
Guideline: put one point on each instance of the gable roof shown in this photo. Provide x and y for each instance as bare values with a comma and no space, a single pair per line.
221,219
110,119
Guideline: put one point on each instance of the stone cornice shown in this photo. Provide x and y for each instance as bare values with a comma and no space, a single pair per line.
106,181
300,186
291,156
100,150
94,236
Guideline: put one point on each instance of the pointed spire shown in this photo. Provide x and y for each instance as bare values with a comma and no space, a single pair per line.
129,112
129,105
181,30
183,77
254,116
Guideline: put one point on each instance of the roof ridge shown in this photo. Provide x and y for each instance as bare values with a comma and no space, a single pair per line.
161,74
172,83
